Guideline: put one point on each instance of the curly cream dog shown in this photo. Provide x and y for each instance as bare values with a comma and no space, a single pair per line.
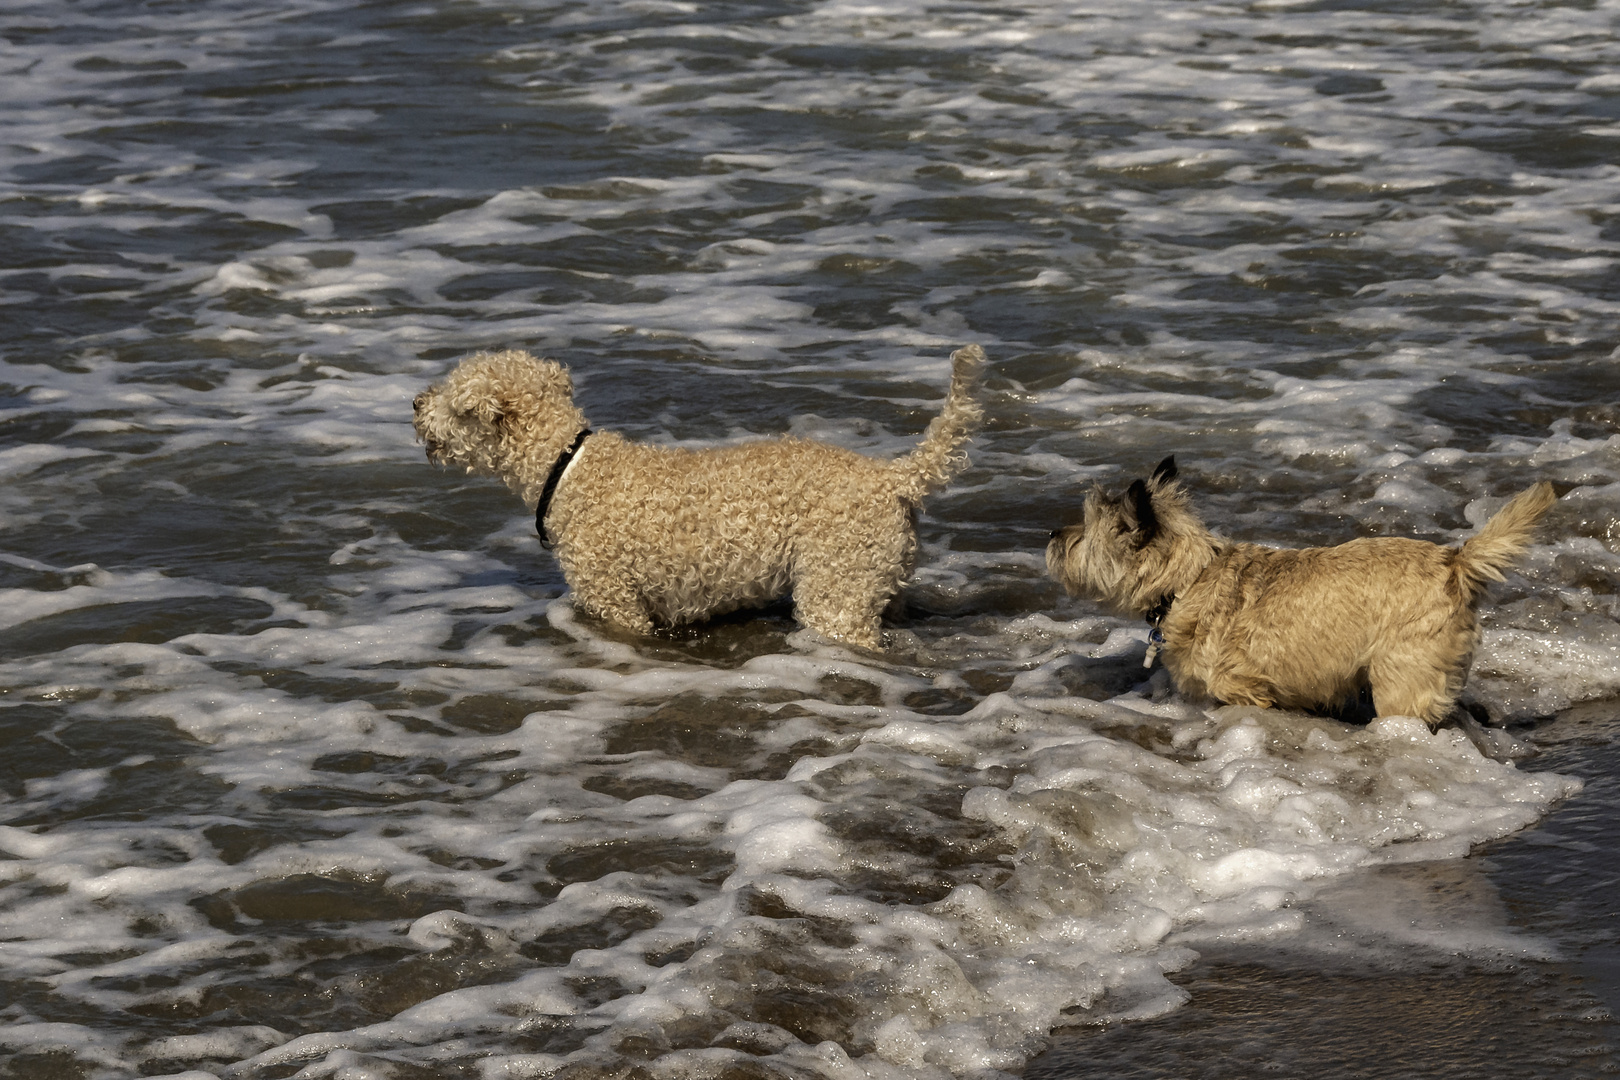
1308,629
651,536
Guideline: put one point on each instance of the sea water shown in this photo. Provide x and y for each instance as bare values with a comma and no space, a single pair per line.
311,769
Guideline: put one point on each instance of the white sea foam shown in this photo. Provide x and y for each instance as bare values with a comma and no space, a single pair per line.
1351,308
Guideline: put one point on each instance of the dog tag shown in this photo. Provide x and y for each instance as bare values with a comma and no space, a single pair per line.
1155,643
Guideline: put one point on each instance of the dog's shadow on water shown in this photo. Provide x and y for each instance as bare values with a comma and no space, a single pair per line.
1106,677
723,641
733,639
1358,710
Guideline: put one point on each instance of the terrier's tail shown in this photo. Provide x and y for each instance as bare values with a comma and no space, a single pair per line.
1503,539
940,456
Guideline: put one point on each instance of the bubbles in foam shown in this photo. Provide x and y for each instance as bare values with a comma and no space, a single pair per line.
306,738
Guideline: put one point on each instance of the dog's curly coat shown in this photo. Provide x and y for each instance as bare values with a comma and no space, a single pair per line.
1250,625
651,536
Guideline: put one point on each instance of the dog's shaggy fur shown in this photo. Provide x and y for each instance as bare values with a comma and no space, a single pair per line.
650,536
1306,629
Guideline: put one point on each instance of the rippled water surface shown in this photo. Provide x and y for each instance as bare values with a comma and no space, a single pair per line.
311,769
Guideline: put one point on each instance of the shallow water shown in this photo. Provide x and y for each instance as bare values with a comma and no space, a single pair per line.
312,769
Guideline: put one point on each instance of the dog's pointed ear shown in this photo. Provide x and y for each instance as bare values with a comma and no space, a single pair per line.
1165,473
1147,522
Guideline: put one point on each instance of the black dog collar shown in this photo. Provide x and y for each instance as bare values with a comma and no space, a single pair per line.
1155,616
551,487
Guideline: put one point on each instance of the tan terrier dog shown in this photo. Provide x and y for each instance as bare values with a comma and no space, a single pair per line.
1300,629
650,536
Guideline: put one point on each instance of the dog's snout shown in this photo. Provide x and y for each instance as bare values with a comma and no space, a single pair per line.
1053,535
421,399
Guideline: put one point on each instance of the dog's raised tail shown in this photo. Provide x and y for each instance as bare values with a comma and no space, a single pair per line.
1484,556
940,456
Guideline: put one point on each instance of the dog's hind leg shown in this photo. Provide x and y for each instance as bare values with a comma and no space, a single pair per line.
1422,691
844,576
844,607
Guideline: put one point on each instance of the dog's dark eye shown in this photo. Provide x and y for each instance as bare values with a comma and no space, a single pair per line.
421,399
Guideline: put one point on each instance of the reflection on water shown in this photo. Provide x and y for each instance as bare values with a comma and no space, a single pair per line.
311,769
